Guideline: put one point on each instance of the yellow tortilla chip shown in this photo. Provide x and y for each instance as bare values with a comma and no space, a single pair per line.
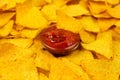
9,4
79,55
50,12
102,45
114,11
43,77
105,24
6,29
28,33
43,58
100,70
63,72
86,37
59,3
68,23
38,3
116,35
89,24
77,69
30,16
75,10
5,17
20,62
24,43
113,2
97,7
102,15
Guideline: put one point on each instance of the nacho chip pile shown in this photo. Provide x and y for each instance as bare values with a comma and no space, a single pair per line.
23,57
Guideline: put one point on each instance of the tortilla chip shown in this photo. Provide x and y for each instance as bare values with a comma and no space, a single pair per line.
97,7
24,43
105,24
114,11
50,12
68,23
5,17
79,55
20,62
75,10
102,45
86,37
6,29
113,2
63,71
43,77
38,3
102,15
29,16
28,33
115,35
89,24
59,3
77,69
9,4
100,70
43,58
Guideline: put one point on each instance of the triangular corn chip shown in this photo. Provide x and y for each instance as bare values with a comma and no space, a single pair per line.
89,24
59,3
78,56
9,4
6,29
63,71
30,16
113,2
38,3
105,24
102,45
28,33
18,61
86,37
97,7
75,10
67,22
100,70
43,77
50,12
43,58
114,11
77,69
5,17
102,15
24,43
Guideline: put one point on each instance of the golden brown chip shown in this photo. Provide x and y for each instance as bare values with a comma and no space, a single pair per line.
4,31
78,56
97,7
43,77
89,24
66,70
86,37
100,70
114,11
18,61
105,24
24,43
68,23
75,10
50,12
102,45
5,17
30,16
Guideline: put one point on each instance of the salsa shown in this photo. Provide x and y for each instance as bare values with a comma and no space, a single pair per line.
59,41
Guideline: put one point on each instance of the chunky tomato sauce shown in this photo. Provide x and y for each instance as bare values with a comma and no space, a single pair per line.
59,40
